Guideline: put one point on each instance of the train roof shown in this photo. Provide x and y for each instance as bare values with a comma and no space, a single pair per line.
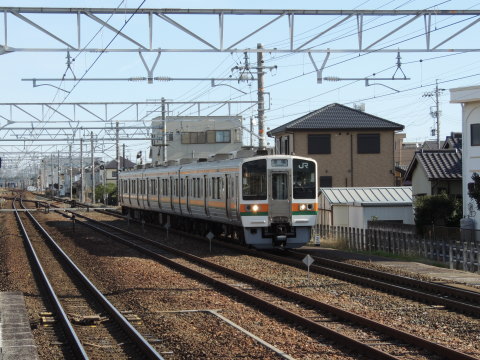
208,164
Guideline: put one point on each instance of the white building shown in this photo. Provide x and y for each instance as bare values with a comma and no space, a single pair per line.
195,136
469,97
356,206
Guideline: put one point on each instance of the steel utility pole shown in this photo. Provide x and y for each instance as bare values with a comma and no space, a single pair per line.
71,171
164,140
261,99
436,113
93,169
117,149
51,172
82,173
123,167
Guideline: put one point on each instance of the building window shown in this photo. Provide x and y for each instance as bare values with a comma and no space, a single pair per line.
218,136
475,134
114,174
193,138
368,143
319,144
325,181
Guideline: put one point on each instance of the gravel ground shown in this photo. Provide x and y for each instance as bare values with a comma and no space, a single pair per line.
153,291
16,275
168,303
431,322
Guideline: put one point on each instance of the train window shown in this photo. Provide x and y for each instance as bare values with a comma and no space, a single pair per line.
254,180
304,186
280,162
182,189
134,186
280,186
220,188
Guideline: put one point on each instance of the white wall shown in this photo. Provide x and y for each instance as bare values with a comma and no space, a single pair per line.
404,213
340,215
469,97
184,124
359,216
420,183
356,216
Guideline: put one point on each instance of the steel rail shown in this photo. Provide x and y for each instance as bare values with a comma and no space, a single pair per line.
445,290
438,291
437,298
139,340
75,342
441,350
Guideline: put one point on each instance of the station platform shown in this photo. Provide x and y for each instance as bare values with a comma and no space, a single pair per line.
16,338
438,274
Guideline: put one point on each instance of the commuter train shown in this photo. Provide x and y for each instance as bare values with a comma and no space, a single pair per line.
263,201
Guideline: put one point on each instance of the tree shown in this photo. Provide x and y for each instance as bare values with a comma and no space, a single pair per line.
474,189
110,192
440,210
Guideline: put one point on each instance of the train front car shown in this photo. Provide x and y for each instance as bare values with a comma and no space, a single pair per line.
278,201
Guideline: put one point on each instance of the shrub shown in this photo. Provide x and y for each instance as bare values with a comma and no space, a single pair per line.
440,210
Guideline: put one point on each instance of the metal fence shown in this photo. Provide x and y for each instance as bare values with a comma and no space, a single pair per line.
459,248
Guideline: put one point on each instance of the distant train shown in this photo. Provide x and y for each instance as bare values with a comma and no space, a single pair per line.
264,201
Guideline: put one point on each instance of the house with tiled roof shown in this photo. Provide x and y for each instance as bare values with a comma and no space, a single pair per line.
435,171
111,173
351,147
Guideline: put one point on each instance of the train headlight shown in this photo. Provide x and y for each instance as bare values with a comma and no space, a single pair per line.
302,207
255,208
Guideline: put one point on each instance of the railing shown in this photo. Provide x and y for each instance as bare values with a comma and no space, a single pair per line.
459,248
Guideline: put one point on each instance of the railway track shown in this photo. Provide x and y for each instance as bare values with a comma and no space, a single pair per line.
352,331
452,298
94,328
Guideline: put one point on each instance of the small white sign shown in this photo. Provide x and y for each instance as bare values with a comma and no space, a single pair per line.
308,260
210,236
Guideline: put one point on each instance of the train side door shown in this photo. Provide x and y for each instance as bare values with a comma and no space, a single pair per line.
227,195
180,191
237,197
129,189
188,193
279,204
159,201
137,190
171,192
205,194
148,191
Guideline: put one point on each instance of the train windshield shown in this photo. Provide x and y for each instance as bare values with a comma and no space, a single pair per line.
304,183
254,180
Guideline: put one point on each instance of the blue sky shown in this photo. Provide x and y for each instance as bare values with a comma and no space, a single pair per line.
292,86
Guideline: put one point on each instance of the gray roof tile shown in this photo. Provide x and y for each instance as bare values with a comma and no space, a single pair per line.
337,117
438,164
